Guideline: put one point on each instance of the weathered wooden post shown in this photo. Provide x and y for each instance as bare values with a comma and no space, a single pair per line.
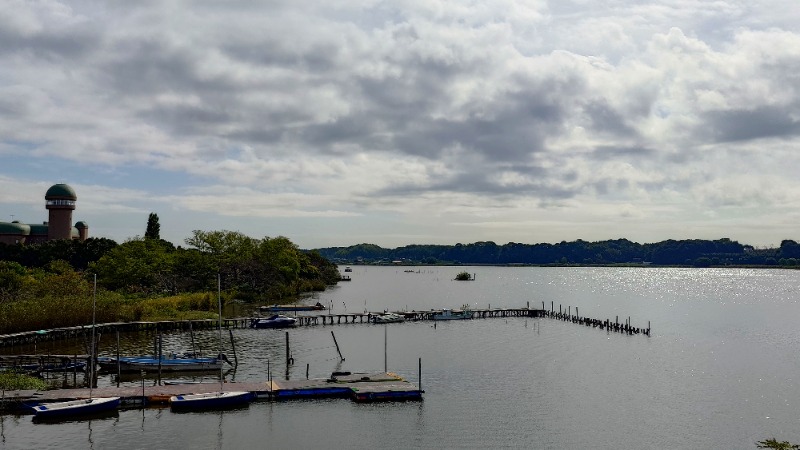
233,347
337,346
287,351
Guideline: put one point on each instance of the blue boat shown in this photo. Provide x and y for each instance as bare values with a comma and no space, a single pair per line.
276,321
212,400
277,308
172,363
83,407
66,366
209,400
76,408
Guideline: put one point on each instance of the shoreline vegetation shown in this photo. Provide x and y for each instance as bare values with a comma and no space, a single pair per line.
49,285
680,253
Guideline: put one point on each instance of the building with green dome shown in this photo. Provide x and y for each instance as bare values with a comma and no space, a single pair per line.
60,202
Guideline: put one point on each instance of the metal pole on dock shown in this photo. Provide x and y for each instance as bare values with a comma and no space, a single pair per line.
119,370
191,334
160,354
419,382
337,346
287,351
385,346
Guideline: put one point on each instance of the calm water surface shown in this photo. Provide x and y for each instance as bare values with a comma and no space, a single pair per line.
719,371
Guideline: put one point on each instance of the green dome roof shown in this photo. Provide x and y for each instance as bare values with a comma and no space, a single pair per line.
81,224
60,191
14,228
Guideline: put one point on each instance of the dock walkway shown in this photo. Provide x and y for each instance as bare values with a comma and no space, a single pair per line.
312,319
359,387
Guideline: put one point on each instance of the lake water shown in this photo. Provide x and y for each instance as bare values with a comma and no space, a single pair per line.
719,371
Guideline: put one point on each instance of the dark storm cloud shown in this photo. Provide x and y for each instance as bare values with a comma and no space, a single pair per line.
745,125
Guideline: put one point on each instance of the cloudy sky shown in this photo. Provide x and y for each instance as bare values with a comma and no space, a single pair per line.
407,121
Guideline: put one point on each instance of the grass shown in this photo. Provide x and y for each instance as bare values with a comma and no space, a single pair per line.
10,381
46,312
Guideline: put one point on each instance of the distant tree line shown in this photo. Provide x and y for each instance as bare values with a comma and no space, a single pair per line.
693,252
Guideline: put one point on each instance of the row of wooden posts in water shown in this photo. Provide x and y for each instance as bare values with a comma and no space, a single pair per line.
32,337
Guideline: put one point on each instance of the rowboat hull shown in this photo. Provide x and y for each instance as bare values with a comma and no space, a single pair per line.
76,408
210,400
136,365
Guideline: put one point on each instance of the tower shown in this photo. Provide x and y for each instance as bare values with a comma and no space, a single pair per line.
60,202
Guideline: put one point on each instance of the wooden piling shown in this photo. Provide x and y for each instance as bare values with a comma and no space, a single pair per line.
337,346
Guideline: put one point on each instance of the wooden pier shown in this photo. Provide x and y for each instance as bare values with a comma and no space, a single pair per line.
359,387
323,318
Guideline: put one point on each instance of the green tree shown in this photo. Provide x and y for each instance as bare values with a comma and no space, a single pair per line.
137,266
12,278
153,228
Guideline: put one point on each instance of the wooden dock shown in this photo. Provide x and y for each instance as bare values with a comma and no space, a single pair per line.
312,319
324,318
359,387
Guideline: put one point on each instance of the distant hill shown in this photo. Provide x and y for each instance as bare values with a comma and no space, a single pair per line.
694,252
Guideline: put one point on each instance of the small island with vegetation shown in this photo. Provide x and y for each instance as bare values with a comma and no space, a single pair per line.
464,276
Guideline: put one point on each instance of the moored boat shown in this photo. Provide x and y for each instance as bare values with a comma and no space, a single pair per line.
83,407
275,321
129,364
74,408
388,318
210,400
450,314
275,308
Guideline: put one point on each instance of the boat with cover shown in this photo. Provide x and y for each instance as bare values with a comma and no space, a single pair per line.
275,308
275,321
388,318
80,407
452,314
212,400
172,363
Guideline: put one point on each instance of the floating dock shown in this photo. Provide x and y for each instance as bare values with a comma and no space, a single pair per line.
359,387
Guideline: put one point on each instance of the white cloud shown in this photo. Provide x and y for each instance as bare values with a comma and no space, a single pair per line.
574,119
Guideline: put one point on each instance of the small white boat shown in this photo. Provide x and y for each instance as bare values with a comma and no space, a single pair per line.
210,400
450,314
83,407
75,408
388,318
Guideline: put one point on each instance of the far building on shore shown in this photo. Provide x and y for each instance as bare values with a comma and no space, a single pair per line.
60,202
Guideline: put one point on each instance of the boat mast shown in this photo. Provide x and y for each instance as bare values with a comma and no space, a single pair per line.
219,327
91,355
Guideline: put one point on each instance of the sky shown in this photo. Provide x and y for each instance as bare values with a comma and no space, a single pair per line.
401,122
